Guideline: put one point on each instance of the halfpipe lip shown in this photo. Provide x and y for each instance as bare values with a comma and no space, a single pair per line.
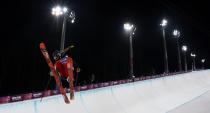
34,95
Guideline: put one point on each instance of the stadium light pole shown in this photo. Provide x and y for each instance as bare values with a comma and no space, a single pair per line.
130,28
176,34
184,49
203,61
163,25
193,58
67,14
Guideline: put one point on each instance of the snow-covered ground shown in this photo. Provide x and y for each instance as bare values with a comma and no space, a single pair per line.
200,104
183,93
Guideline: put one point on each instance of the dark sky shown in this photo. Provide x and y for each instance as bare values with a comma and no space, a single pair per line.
101,45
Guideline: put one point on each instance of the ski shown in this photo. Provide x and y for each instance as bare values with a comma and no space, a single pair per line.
52,69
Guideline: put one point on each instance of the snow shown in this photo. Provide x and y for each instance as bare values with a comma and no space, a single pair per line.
200,104
183,93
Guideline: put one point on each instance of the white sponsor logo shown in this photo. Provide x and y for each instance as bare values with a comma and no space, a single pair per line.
16,98
37,94
84,87
106,84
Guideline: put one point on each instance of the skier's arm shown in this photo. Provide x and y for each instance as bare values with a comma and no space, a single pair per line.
56,70
70,63
51,73
77,69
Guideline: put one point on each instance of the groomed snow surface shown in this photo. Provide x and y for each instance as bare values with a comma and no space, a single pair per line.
182,93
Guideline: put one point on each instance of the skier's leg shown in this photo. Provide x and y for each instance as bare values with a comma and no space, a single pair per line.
71,79
71,86
62,90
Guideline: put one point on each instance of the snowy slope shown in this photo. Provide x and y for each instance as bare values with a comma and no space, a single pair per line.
160,95
200,104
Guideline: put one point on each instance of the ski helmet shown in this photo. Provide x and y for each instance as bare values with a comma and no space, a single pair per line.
56,55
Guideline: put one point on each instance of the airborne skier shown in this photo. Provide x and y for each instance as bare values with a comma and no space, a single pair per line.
53,71
64,68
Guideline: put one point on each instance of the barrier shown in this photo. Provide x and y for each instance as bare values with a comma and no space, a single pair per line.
28,96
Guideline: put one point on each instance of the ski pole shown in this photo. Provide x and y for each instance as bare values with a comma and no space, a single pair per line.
66,49
77,71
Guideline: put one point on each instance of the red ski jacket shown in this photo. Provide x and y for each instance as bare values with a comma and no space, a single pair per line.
63,65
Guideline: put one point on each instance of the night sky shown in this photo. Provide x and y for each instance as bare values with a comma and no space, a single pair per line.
101,45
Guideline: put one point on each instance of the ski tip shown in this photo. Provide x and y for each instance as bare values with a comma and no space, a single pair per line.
42,45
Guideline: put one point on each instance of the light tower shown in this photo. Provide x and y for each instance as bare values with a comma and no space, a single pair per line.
67,14
130,28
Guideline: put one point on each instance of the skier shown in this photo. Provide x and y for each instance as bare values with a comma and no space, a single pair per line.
64,68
